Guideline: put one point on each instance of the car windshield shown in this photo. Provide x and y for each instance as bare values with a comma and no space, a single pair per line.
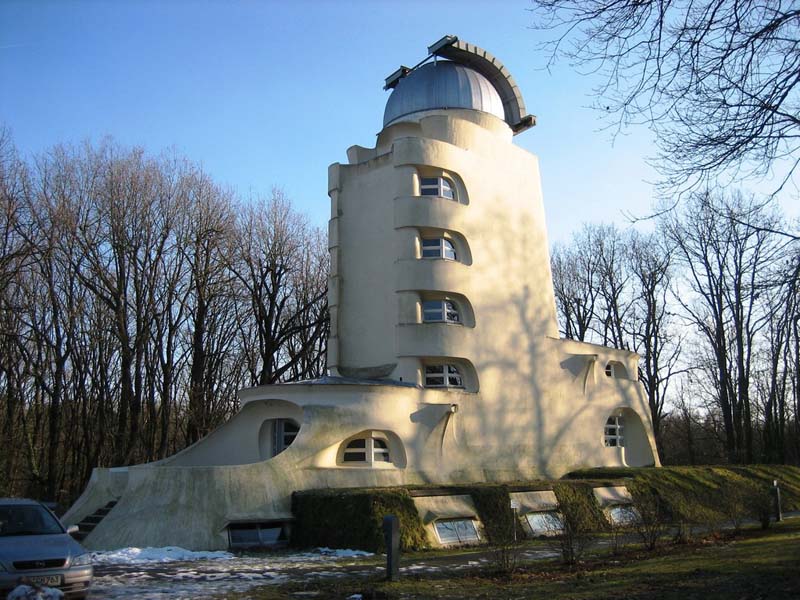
27,519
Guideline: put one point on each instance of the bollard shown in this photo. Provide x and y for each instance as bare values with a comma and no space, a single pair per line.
391,535
776,492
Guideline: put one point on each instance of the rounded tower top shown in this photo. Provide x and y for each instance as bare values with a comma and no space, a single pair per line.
442,84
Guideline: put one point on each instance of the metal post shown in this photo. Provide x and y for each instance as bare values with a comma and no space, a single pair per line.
391,535
776,492
515,508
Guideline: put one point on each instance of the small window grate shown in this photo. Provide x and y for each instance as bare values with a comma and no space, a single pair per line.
258,535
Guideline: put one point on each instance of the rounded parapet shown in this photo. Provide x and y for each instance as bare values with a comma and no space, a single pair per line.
432,275
430,212
433,339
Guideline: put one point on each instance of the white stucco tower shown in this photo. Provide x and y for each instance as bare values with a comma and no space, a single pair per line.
444,356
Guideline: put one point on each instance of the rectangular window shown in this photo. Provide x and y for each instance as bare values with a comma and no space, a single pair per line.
440,311
622,515
283,433
432,248
443,376
429,186
612,433
380,450
438,248
434,375
456,531
544,523
257,535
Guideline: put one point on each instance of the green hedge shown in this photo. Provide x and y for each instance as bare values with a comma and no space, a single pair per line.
579,496
493,504
354,519
705,495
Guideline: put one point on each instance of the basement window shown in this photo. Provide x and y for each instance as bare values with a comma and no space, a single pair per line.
612,434
622,515
544,523
437,186
457,531
258,535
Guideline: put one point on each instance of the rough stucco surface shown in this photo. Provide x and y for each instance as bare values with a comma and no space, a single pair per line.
533,405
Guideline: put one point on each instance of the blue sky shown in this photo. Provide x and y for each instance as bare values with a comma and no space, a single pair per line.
270,93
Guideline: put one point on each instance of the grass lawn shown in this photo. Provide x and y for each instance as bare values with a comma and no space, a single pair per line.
754,565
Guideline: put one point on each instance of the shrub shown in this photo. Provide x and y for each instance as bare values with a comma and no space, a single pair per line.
581,519
653,514
493,504
354,519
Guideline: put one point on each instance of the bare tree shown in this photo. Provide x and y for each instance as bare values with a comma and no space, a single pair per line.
576,270
271,263
725,261
717,81
650,322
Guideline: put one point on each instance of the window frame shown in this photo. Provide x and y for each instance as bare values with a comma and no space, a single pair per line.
441,249
552,517
446,375
444,308
280,434
375,450
459,540
613,432
259,540
438,186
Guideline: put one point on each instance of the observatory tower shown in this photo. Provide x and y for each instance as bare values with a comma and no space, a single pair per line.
444,357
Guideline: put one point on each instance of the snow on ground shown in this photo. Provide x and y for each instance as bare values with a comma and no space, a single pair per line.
175,573
126,556
150,555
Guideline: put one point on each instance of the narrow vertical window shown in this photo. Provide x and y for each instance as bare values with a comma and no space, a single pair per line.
283,433
612,435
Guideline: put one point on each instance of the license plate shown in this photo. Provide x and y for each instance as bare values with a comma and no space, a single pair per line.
46,580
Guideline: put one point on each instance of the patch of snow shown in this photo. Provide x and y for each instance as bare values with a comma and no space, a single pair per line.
27,592
125,556
355,597
342,553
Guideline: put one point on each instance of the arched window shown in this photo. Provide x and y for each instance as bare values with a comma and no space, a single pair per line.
438,248
369,449
437,186
616,370
440,311
612,435
443,376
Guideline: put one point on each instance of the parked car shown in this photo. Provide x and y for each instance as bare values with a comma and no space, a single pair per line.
36,548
